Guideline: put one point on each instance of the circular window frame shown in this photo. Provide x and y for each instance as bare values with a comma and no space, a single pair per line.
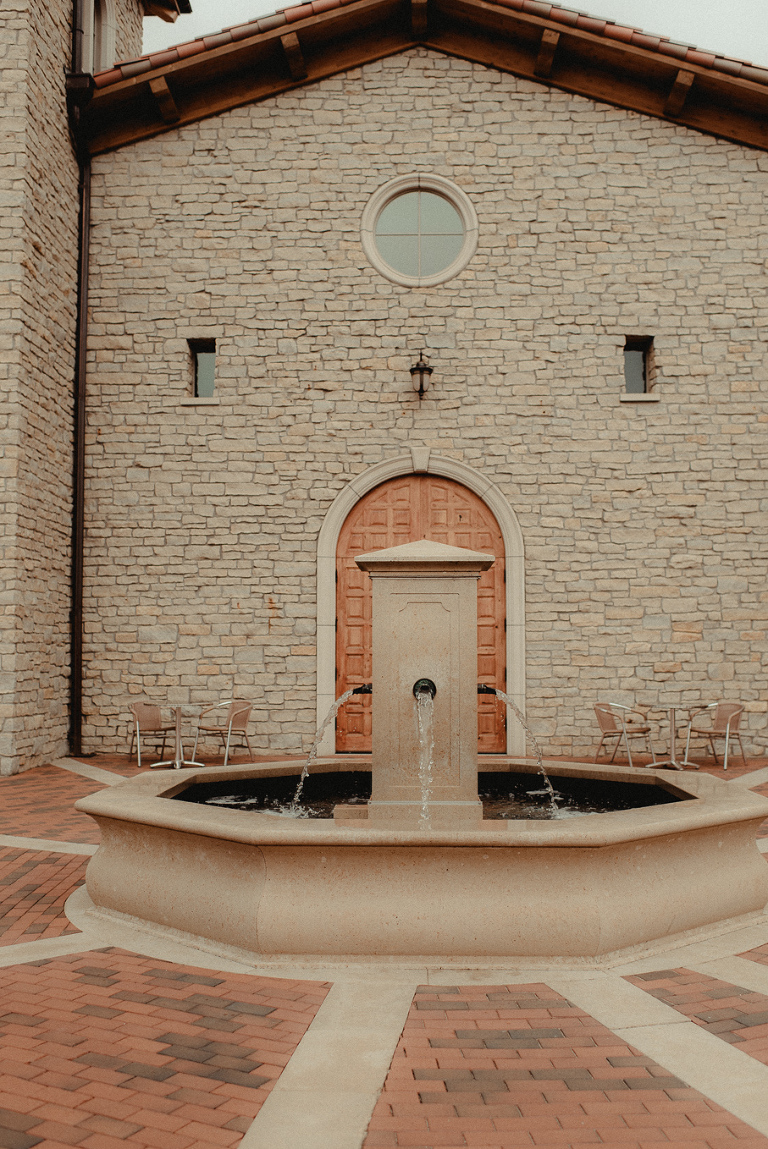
398,186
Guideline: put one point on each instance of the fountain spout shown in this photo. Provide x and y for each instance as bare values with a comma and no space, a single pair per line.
424,647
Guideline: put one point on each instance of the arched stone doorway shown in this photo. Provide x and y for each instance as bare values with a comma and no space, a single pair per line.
399,511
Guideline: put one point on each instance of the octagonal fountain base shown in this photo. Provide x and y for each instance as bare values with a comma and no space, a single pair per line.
581,887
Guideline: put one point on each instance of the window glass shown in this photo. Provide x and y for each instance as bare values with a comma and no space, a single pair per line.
419,233
205,374
634,370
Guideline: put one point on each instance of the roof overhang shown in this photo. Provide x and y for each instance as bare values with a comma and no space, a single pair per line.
167,10
305,46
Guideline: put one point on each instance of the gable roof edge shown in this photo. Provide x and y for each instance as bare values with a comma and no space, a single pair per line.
313,41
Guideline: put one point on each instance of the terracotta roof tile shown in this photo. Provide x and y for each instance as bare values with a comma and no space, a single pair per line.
619,32
191,48
300,13
244,30
217,40
569,17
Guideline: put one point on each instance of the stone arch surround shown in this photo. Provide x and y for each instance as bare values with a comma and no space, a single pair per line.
420,460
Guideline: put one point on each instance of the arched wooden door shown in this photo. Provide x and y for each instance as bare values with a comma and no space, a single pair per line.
402,511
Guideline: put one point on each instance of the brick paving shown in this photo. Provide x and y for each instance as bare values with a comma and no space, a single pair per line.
760,955
40,804
108,1049
510,1066
33,889
730,1012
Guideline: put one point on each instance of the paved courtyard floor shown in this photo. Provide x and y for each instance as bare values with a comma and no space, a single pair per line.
113,1037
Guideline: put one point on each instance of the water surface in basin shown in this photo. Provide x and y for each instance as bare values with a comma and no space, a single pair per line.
503,794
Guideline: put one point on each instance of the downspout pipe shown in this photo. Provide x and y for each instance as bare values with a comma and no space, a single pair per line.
78,469
79,88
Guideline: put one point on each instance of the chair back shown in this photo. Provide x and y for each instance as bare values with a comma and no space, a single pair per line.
238,714
608,720
148,716
724,712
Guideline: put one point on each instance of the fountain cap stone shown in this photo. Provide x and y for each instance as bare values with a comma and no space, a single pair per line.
425,556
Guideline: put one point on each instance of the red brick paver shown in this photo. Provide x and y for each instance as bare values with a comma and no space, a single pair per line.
108,1049
510,1066
33,889
40,804
732,1013
760,955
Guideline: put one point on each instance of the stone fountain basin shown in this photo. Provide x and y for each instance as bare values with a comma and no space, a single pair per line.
582,887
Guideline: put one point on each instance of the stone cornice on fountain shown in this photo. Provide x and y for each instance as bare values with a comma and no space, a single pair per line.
707,802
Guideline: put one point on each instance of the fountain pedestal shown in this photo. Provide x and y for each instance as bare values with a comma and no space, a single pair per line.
424,630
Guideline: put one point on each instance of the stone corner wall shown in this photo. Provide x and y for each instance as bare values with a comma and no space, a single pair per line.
38,307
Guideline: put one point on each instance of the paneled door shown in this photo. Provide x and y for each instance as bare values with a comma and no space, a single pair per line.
402,511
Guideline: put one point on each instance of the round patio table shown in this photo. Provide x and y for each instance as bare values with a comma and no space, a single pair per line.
179,761
671,761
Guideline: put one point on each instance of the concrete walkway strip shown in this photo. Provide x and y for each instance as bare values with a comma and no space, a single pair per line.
720,1071
95,773
45,948
325,1096
50,847
753,778
737,971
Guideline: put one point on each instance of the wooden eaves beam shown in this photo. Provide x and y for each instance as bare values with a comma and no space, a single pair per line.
342,38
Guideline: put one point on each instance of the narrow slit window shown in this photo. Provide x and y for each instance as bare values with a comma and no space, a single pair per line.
637,364
204,360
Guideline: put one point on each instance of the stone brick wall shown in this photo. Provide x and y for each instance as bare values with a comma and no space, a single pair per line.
38,296
129,29
644,525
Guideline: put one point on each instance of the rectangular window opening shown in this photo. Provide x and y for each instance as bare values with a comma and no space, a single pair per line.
638,364
203,353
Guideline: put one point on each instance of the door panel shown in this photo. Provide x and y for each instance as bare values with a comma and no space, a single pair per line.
402,511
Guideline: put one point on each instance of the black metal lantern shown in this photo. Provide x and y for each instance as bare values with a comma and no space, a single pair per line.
420,373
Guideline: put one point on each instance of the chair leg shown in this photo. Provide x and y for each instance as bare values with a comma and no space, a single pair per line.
226,750
687,747
194,748
247,743
650,747
727,741
741,749
626,743
138,745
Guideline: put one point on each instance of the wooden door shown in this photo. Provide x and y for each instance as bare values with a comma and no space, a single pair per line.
402,511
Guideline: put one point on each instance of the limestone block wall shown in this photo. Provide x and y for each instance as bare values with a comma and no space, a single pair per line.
644,525
38,295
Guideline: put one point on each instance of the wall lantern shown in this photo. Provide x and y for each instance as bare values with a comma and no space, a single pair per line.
420,373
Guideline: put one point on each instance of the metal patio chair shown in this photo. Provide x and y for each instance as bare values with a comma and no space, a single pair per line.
618,721
148,722
235,723
724,723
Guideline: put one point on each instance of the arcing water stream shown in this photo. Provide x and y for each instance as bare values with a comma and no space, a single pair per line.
335,708
502,697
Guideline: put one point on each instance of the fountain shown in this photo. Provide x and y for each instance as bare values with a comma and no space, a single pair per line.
418,870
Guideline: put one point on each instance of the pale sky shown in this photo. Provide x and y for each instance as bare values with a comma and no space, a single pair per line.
729,27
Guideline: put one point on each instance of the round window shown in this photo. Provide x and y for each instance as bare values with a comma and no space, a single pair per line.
419,230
